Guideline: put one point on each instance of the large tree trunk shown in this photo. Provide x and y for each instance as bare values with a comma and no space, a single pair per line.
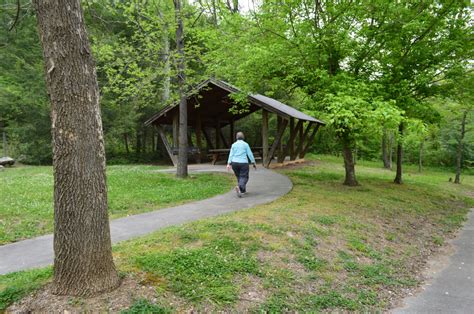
182,171
349,165
398,177
385,151
83,263
460,149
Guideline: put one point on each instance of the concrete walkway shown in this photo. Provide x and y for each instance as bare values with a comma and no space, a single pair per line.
451,290
264,186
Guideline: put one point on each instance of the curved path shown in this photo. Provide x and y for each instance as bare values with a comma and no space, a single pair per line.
264,186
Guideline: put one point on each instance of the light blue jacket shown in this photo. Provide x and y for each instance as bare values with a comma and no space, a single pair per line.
239,152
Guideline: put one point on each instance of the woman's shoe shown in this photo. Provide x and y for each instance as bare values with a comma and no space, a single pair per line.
237,190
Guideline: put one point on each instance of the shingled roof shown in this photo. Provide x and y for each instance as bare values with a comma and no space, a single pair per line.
212,99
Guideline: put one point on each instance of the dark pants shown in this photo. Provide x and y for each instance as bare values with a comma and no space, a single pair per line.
241,171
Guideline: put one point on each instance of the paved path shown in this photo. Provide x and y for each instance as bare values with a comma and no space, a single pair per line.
452,289
264,186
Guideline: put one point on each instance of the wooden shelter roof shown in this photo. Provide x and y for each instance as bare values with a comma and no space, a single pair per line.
211,99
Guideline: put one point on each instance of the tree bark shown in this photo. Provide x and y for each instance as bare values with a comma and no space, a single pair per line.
125,140
83,263
459,149
390,149
349,166
398,177
182,169
166,67
385,151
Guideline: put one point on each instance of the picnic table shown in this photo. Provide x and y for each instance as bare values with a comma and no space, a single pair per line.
216,153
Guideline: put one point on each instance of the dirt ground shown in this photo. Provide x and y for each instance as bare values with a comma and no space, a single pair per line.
43,301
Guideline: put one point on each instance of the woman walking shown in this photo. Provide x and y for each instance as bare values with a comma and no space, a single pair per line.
239,156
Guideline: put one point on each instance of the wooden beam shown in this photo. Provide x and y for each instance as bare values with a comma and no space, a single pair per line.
175,130
310,140
291,140
299,149
218,134
276,143
264,135
300,135
224,140
232,132
198,128
280,157
173,158
207,136
292,135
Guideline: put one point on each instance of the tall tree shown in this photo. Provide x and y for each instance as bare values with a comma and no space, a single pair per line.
83,263
182,169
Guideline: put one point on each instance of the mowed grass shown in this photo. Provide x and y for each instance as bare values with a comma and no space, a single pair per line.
26,202
322,247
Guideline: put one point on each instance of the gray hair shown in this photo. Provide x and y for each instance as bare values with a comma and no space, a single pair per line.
240,135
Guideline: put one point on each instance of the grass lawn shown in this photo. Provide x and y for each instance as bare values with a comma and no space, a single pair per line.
26,202
322,247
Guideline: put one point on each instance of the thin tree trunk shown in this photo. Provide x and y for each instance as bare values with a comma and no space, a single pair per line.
5,144
420,156
83,263
460,149
166,67
385,151
398,177
349,166
182,169
125,140
390,150
144,140
139,143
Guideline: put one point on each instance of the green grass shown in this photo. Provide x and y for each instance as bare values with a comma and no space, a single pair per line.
26,205
15,286
322,247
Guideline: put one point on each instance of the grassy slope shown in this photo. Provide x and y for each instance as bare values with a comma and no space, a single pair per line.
323,246
26,205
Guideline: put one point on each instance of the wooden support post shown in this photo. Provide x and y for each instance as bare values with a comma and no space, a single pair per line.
300,135
280,156
175,130
218,134
276,143
173,158
291,140
292,136
310,140
207,136
264,136
224,140
198,137
301,144
232,132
